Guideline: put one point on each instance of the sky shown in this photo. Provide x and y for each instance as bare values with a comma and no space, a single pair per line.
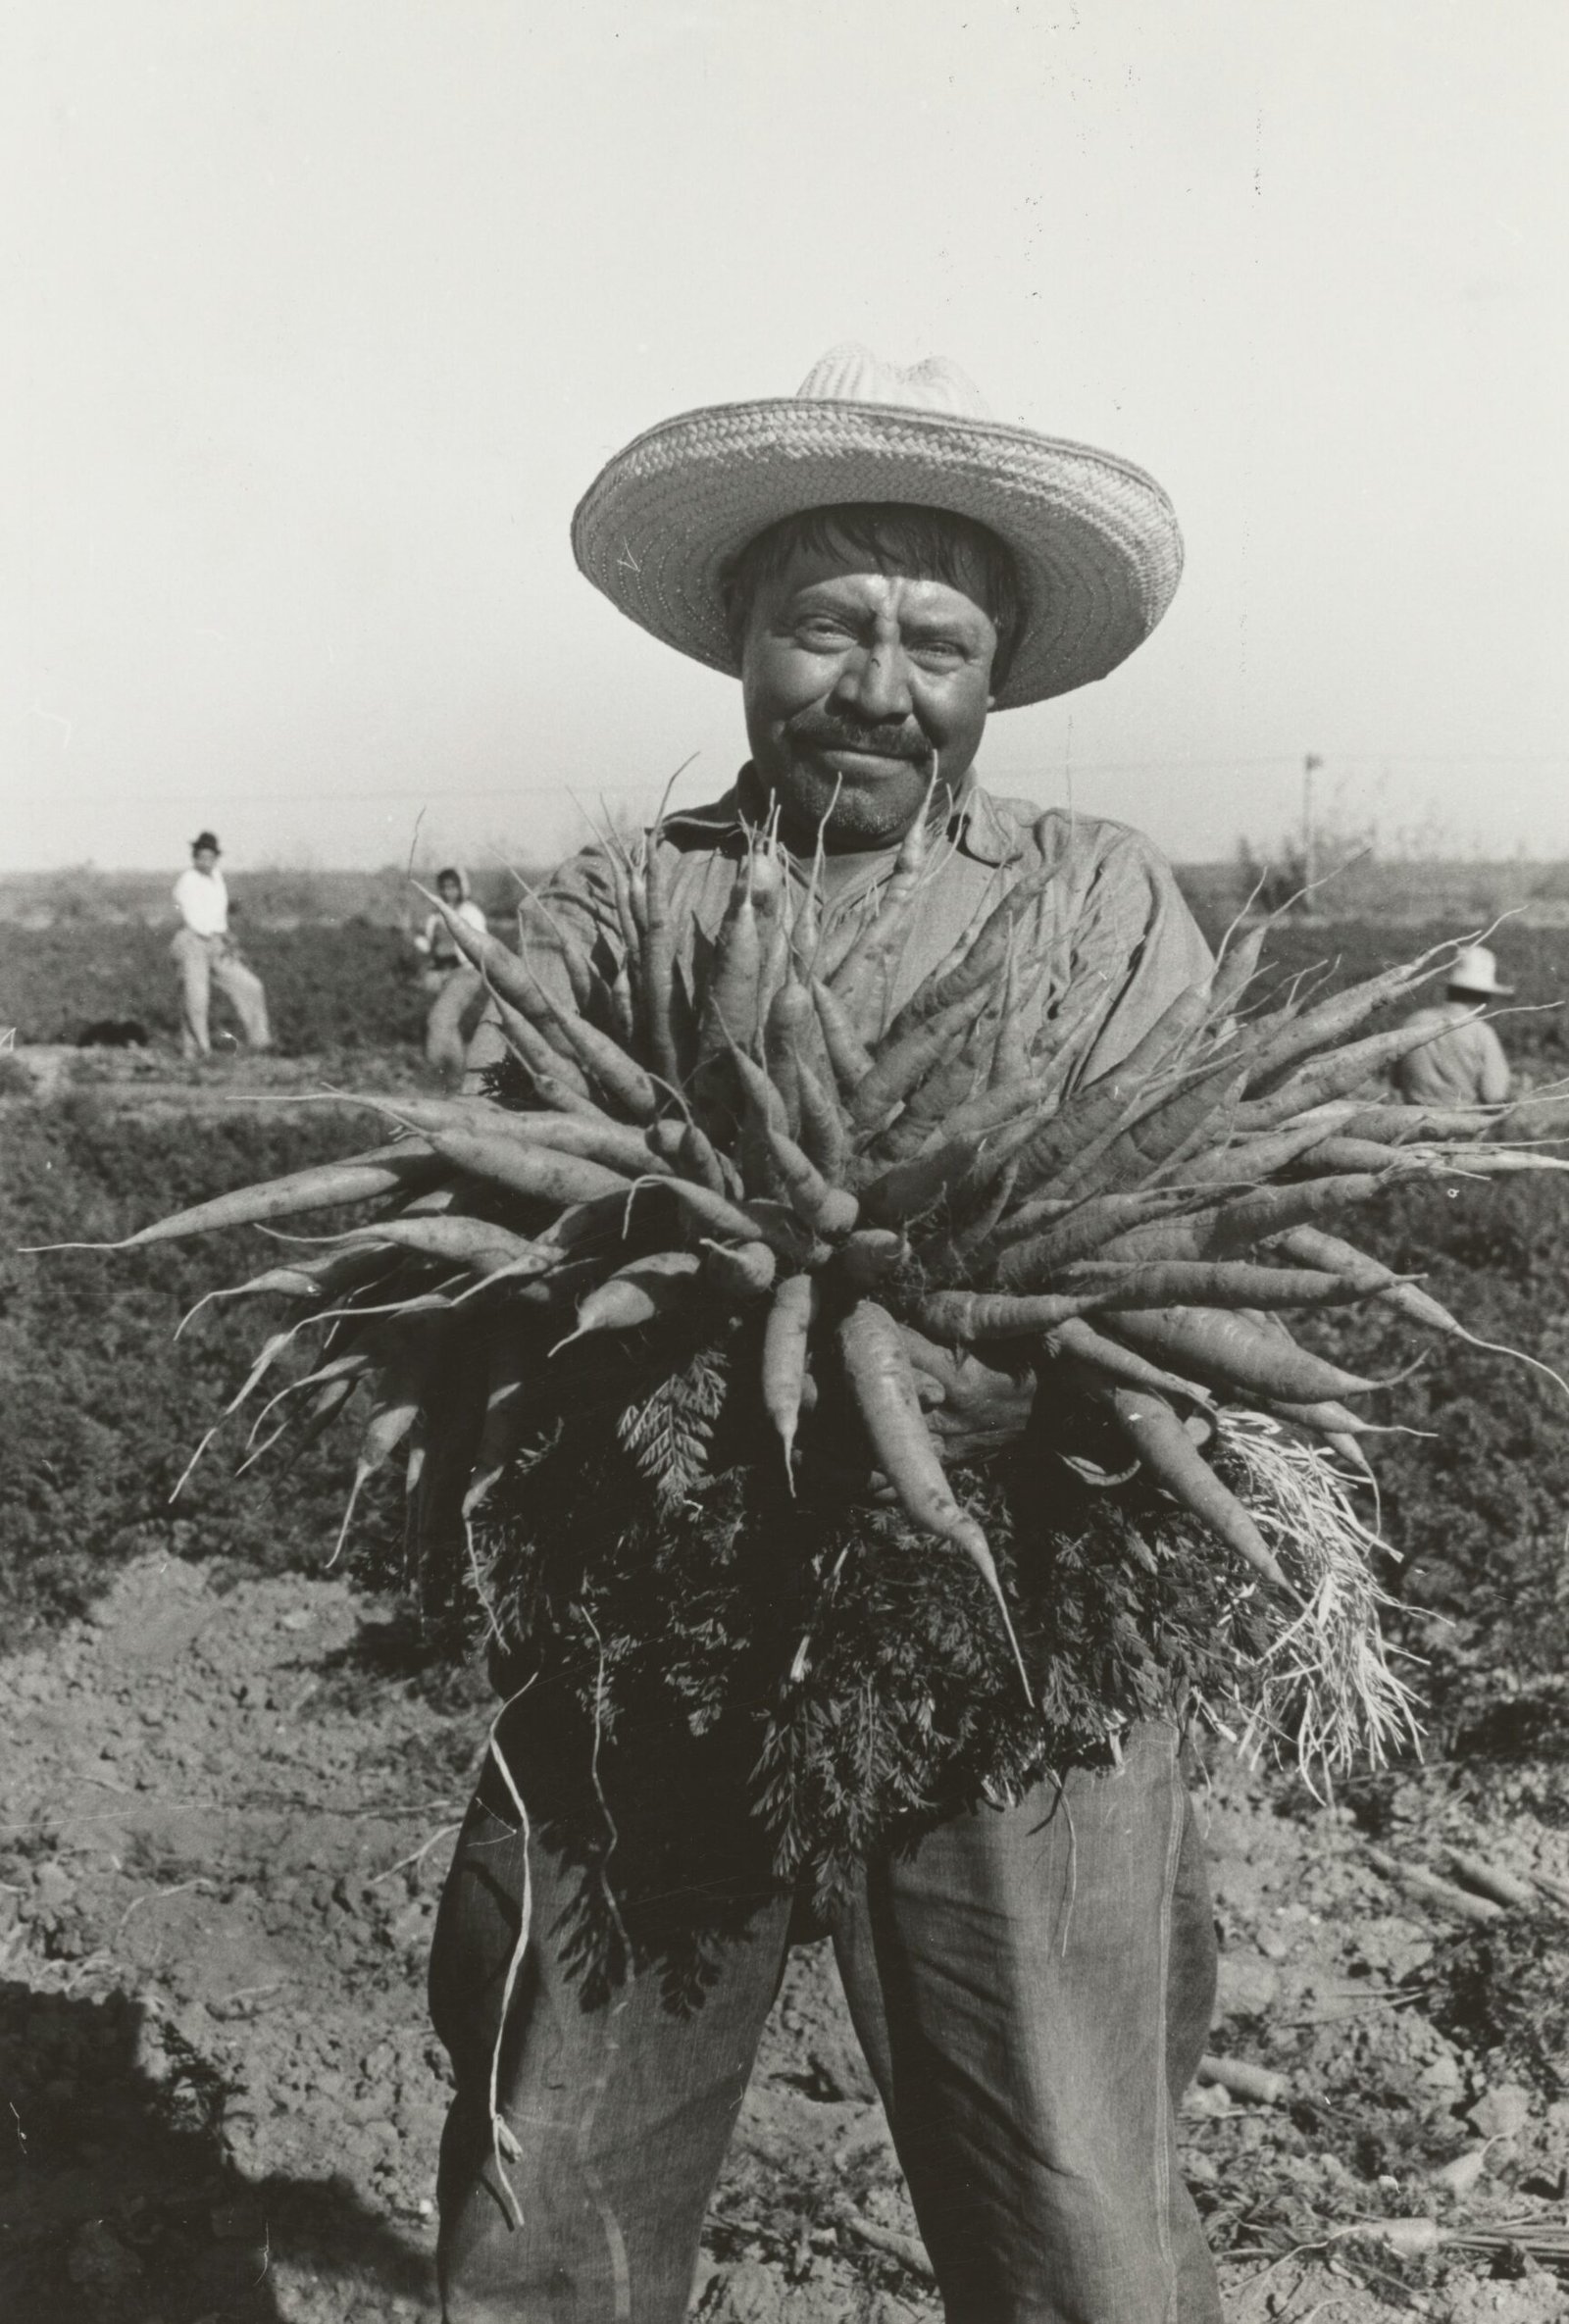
324,314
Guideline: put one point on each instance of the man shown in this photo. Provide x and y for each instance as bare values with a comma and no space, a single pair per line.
882,565
454,988
206,956
1464,1063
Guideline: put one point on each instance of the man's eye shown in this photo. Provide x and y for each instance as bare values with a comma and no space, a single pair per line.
821,630
944,650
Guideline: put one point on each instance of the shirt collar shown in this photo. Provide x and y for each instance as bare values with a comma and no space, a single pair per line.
976,828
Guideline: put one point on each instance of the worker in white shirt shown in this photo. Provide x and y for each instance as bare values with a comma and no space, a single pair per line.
206,956
456,990
1464,1063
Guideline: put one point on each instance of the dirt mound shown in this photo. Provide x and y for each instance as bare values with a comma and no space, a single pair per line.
228,1815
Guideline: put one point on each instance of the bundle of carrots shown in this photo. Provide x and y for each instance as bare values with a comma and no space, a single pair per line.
888,1189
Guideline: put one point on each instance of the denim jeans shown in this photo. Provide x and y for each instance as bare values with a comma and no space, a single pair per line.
1032,1987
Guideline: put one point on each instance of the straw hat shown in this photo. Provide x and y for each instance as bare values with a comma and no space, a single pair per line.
1476,970
1095,539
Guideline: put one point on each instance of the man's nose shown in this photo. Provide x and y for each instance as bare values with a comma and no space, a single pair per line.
876,682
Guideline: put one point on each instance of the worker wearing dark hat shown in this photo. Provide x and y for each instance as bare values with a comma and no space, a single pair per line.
205,955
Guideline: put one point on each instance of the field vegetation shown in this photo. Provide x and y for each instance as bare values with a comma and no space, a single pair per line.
104,1409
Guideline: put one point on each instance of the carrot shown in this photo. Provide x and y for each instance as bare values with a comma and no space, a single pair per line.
724,1218
557,1080
785,1338
847,1053
1392,1124
1273,1210
535,1173
786,1234
956,1316
1079,1341
738,1271
703,1161
1237,1351
1326,1417
942,1099
658,981
1174,1461
1211,1282
1247,1160
325,1279
824,1131
1158,1135
1010,1059
616,1144
1234,971
462,1241
636,1294
730,1007
860,980
1326,1079
497,963
1332,1020
877,1370
829,1210
900,1066
1316,1249
977,956
402,1395
773,939
1083,1129
575,966
1127,1223
627,920
605,1061
1032,1101
784,1035
763,1102
513,1373
382,1170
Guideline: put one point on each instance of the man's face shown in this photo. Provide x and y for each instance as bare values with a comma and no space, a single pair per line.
205,859
859,682
450,892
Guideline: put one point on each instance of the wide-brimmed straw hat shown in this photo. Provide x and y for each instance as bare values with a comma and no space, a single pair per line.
1476,970
1095,539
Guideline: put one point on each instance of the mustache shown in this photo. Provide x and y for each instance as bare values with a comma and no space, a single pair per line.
894,738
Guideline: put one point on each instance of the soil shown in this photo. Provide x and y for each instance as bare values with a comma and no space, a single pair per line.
229,1807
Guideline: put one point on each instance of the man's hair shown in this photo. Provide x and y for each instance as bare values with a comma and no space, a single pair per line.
893,536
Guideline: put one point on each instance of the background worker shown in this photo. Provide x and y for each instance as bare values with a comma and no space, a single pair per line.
455,989
1464,1063
205,954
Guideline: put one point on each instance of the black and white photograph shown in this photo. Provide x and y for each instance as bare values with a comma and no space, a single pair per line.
784,1126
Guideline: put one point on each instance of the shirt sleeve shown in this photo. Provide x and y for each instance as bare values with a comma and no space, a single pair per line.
1494,1079
1137,936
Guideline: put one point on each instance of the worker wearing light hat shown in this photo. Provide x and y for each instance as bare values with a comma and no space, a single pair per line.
1464,1063
882,564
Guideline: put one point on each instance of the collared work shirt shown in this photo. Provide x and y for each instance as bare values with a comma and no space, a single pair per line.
1110,926
202,902
1463,1064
